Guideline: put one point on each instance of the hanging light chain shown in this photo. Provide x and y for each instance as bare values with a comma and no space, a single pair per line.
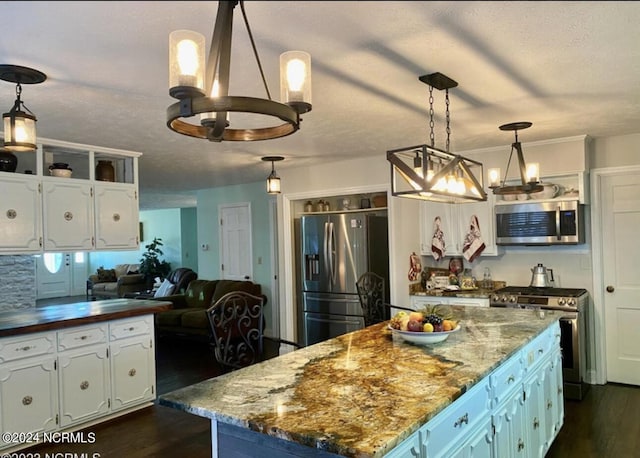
448,114
431,123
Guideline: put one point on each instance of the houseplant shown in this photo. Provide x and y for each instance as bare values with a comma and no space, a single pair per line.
151,266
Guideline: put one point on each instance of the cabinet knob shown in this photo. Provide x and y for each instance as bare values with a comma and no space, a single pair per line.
116,217
520,444
132,372
610,289
462,420
27,400
536,423
68,216
11,213
84,385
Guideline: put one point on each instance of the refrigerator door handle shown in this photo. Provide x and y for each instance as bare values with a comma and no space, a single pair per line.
332,253
325,250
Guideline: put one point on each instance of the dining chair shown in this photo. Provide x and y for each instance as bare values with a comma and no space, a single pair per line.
371,292
237,330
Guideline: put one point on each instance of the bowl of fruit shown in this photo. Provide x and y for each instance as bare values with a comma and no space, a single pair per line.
431,325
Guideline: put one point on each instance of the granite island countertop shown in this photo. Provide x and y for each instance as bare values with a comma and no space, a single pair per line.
363,393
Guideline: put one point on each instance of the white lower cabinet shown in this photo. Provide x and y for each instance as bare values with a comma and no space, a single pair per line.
62,379
29,396
132,372
516,411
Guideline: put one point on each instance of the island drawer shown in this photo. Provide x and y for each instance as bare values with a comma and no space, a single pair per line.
14,348
507,378
131,327
454,422
540,347
81,336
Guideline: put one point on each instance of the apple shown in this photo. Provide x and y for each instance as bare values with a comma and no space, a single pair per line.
417,316
414,326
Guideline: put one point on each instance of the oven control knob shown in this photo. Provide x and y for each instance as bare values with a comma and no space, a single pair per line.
571,302
495,298
503,298
561,301
512,299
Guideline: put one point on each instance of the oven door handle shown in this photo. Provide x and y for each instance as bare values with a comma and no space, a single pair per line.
558,234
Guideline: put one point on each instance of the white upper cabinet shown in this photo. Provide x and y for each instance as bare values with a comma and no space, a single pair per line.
87,209
20,214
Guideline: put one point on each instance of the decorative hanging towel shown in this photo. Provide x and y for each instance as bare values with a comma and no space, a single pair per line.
437,243
473,245
415,268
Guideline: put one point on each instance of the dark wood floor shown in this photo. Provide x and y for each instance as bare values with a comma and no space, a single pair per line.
606,424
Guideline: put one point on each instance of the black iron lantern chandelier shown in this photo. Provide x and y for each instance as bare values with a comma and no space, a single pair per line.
205,92
19,122
428,173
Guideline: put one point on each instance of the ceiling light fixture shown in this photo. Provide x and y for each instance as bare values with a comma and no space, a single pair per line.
19,124
529,173
273,180
189,82
428,173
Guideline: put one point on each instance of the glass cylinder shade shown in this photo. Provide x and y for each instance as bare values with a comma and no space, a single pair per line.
494,177
186,64
273,184
19,131
533,172
295,80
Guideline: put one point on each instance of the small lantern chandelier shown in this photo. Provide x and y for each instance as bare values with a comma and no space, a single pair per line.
19,124
189,83
273,180
529,173
428,173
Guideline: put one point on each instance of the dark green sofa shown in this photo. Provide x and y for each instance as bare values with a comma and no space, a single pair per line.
188,315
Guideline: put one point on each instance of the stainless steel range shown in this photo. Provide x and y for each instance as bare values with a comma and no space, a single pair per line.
572,303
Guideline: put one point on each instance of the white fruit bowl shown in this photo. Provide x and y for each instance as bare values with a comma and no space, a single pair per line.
422,338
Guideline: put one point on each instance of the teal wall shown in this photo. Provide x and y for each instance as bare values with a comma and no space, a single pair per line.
164,224
208,230
189,233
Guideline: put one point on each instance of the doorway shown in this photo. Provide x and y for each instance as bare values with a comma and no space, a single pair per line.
236,251
60,274
616,218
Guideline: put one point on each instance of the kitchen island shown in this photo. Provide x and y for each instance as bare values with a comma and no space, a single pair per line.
65,367
367,394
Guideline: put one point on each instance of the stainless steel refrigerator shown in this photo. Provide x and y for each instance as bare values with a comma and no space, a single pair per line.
334,249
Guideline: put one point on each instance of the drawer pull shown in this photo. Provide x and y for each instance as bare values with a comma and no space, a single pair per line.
540,351
116,217
559,390
462,420
27,400
132,372
27,348
520,444
11,213
511,379
549,404
68,216
84,385
536,423
131,329
82,338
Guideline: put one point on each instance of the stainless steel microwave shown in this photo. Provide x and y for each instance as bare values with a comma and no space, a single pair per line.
540,223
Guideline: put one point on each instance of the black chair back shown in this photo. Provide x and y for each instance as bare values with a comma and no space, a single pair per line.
371,292
237,322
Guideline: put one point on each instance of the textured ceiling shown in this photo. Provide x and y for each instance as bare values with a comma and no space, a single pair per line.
571,68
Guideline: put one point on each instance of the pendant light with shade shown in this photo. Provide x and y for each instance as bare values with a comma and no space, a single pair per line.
273,180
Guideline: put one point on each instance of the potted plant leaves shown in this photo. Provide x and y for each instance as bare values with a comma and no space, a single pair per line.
151,266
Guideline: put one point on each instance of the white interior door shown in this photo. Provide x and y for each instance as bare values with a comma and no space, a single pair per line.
620,219
236,251
53,274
